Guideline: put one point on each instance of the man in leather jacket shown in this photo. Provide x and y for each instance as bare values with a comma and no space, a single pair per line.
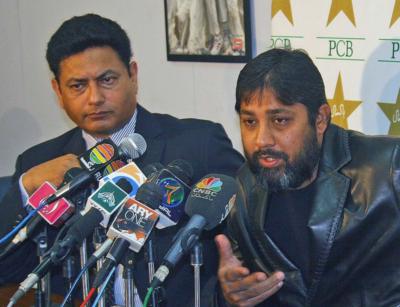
317,218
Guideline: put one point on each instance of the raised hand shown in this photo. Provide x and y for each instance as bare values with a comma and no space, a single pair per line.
239,286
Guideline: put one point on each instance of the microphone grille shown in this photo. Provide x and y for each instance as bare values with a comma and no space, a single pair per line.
133,146
181,169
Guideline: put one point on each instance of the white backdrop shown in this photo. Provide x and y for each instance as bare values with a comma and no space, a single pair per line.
356,46
29,112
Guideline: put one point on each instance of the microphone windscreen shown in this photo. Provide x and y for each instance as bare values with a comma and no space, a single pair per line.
152,168
212,197
133,146
181,169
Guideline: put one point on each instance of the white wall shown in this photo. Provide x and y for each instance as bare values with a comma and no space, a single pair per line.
29,113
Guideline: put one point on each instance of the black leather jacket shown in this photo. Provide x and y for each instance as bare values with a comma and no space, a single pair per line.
354,226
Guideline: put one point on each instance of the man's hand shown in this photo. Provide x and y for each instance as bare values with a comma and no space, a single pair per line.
240,288
52,171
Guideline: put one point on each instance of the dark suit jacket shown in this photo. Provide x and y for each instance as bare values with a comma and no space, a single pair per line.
203,144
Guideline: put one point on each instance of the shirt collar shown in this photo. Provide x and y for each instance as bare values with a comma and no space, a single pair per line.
116,137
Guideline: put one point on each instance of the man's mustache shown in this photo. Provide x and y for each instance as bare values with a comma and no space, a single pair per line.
271,153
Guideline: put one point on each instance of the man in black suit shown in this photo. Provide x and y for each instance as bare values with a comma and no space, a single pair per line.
96,84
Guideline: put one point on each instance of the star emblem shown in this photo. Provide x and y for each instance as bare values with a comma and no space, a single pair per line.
345,6
341,108
283,6
392,112
396,13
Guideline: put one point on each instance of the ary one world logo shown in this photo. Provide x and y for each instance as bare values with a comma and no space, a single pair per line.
174,193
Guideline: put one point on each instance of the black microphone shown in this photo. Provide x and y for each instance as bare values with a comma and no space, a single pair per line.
131,147
175,179
101,154
152,170
208,204
131,227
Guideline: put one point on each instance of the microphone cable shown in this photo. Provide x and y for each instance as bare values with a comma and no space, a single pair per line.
87,298
91,261
23,222
148,296
103,287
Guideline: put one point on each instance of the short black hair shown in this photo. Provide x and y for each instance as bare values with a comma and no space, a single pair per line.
82,32
290,74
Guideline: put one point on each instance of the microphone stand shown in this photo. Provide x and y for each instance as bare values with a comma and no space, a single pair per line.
128,263
99,236
69,272
196,260
150,265
42,291
85,276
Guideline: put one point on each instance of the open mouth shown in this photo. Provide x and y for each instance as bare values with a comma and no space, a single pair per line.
269,161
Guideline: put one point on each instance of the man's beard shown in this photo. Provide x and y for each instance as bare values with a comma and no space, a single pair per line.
291,174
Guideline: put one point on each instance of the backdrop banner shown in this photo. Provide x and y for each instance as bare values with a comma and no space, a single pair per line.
356,46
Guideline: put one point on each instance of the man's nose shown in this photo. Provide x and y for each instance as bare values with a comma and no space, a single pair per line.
95,94
265,137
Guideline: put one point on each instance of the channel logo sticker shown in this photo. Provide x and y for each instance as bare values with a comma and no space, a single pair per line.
210,183
113,166
101,153
108,197
130,173
174,193
98,155
207,188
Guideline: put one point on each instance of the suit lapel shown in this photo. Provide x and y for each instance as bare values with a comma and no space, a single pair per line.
152,132
76,143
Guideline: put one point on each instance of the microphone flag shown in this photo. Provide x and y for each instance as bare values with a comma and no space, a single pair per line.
107,200
54,213
133,223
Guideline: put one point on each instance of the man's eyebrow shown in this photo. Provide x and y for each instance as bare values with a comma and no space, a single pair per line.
246,112
271,112
278,111
73,80
107,72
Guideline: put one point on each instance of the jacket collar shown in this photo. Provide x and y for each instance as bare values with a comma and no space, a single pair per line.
335,149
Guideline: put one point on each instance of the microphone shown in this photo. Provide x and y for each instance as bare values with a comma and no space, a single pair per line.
132,226
175,179
131,173
131,147
54,214
136,218
104,202
151,170
208,204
